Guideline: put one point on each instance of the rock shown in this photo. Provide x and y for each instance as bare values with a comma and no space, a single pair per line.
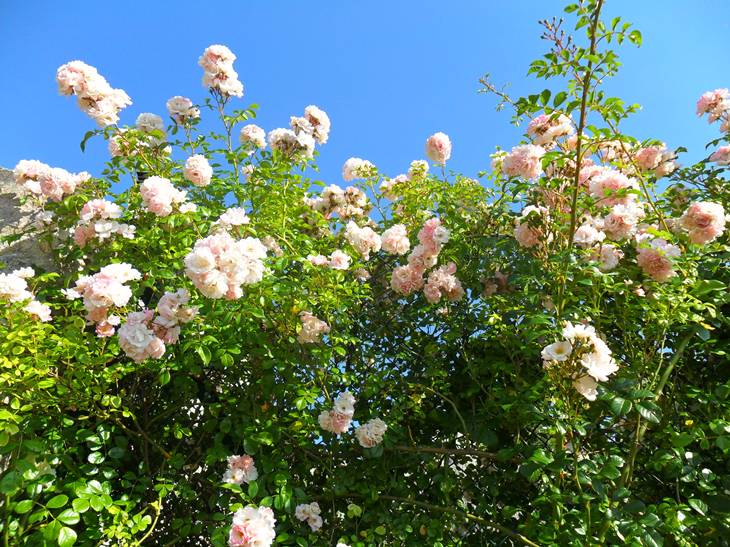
17,219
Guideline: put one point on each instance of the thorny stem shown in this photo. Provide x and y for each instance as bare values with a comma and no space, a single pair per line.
586,84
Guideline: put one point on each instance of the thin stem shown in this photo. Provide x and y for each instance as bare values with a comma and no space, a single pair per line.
586,83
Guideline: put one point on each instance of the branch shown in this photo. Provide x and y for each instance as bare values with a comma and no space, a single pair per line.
468,516
581,123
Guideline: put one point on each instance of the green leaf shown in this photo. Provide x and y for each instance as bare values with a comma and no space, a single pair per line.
66,537
68,516
253,489
57,501
649,413
698,505
559,99
620,406
80,505
545,96
23,506
204,353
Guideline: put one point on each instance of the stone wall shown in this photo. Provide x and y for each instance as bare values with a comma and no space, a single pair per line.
16,219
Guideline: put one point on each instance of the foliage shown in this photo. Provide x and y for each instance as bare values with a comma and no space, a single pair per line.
483,444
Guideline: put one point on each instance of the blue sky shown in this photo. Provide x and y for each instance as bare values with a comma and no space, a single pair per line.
388,73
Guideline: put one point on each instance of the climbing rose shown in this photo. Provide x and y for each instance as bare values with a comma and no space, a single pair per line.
356,168
95,96
704,220
219,265
365,240
181,109
438,148
406,279
721,156
371,433
217,64
655,258
395,240
198,171
159,196
309,512
252,527
312,328
529,230
545,129
443,283
714,103
253,134
524,161
240,469
610,187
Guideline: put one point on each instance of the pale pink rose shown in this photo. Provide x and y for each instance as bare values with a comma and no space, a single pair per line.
721,156
438,148
219,75
100,208
587,234
443,283
545,129
357,168
371,433
395,240
105,329
252,527
714,103
319,123
621,222
182,110
312,328
197,170
291,144
704,220
589,171
14,288
608,257
234,216
524,161
364,240
649,158
334,422
339,260
159,196
433,235
253,134
422,258
241,469
610,188
95,96
656,159
655,259
38,310
83,233
406,279
529,227
318,260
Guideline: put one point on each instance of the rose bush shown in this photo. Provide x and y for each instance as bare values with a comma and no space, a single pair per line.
234,353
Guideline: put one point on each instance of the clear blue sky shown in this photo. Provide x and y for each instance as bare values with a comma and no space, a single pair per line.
389,73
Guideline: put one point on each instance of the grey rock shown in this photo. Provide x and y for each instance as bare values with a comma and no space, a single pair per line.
18,219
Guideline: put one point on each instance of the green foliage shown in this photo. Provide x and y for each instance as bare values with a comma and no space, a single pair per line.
483,447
